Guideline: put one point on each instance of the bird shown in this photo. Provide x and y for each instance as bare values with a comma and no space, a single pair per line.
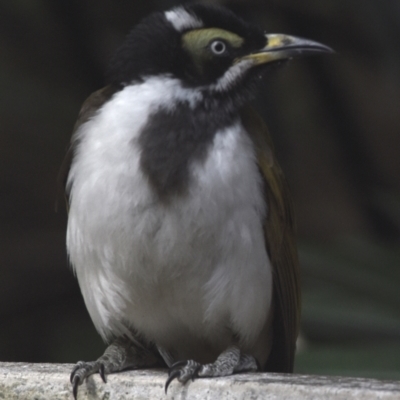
180,227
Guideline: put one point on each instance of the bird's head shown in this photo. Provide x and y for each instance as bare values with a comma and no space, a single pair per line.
207,48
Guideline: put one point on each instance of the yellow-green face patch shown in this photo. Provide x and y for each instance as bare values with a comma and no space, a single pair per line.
197,43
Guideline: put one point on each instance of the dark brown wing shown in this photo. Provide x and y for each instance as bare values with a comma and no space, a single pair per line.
279,229
88,110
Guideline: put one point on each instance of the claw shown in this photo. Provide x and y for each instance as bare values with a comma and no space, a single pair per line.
102,373
71,377
172,375
177,369
75,387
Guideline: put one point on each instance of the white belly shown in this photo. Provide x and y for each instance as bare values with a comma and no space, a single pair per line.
191,269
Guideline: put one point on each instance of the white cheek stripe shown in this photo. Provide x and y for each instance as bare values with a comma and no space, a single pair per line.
231,75
181,19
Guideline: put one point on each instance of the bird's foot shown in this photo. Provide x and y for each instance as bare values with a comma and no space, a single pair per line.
121,354
84,369
228,363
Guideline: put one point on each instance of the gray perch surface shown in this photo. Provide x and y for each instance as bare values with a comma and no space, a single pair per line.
25,381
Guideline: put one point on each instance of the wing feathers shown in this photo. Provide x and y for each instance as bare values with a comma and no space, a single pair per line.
279,231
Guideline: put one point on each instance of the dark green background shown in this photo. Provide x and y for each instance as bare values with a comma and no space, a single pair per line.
336,125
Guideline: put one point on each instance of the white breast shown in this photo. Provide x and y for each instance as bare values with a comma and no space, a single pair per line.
190,267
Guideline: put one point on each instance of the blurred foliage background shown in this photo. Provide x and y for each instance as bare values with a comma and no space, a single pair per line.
336,125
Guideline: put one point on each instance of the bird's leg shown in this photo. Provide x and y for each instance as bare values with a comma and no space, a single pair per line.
121,354
227,363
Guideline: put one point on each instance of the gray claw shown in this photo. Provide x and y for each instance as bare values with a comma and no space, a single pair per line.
178,368
71,377
171,376
76,383
102,373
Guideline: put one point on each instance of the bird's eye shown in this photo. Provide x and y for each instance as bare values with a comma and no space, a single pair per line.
218,47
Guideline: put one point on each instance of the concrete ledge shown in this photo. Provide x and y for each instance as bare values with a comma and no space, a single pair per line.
51,381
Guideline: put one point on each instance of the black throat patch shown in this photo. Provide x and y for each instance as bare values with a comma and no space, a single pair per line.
173,138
